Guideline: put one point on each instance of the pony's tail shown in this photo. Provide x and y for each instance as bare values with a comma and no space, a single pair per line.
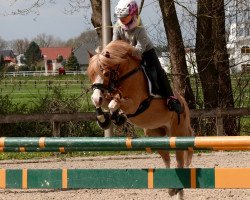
190,133
189,153
186,116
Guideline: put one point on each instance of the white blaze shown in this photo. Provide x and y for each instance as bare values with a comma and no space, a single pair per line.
97,96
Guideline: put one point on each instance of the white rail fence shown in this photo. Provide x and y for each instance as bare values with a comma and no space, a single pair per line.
41,73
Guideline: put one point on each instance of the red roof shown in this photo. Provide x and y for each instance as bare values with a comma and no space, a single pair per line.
9,59
52,53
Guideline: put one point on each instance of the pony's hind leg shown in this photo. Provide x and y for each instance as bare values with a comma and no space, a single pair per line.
178,130
180,159
165,157
160,132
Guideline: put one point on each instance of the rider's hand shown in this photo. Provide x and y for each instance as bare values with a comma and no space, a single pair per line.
136,53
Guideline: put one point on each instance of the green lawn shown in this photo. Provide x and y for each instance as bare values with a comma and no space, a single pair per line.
28,90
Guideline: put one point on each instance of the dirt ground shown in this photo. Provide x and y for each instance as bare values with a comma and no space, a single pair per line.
216,159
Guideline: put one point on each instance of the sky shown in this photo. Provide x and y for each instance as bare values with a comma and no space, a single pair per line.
52,20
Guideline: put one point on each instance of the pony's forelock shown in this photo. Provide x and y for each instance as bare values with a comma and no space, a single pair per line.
114,54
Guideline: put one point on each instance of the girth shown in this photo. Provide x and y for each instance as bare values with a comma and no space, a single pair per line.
142,107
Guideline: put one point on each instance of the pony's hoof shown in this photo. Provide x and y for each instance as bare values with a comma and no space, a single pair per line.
120,120
173,192
104,124
180,195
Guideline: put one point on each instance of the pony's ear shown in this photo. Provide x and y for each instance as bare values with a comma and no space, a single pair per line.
98,49
90,54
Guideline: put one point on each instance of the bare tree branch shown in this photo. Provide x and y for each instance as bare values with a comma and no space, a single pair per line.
141,6
33,8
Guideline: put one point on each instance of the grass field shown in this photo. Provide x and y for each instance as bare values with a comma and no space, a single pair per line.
25,89
29,90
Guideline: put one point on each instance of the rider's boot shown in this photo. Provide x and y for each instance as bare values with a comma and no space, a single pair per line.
160,79
174,105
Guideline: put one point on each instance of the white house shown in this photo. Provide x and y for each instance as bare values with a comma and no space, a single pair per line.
239,37
50,56
190,60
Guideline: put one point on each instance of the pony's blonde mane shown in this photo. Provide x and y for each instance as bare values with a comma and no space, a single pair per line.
114,54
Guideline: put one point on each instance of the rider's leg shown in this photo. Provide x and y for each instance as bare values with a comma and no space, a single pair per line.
152,75
165,89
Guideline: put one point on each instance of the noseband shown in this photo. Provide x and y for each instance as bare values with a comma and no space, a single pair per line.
114,82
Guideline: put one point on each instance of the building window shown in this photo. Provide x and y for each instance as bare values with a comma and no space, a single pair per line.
245,49
241,32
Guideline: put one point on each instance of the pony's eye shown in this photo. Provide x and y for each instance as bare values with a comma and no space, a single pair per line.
106,74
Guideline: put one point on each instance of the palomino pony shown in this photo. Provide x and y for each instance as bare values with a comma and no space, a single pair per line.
120,83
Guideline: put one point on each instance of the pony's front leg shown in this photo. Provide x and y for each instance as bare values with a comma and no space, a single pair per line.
117,118
103,119
113,105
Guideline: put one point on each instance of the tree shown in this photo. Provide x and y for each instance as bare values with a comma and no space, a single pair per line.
221,61
3,44
44,40
96,17
204,54
33,55
2,63
72,63
19,46
212,58
84,38
177,53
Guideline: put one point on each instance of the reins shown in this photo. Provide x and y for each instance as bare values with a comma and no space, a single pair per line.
114,82
125,76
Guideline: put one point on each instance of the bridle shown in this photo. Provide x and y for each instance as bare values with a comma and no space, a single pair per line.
113,79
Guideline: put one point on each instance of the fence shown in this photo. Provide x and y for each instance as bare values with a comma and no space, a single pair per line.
41,73
121,144
207,178
126,178
57,119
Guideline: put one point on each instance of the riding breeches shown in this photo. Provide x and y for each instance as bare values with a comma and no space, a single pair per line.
156,74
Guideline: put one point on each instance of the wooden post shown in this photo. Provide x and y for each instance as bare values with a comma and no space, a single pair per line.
56,129
219,123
